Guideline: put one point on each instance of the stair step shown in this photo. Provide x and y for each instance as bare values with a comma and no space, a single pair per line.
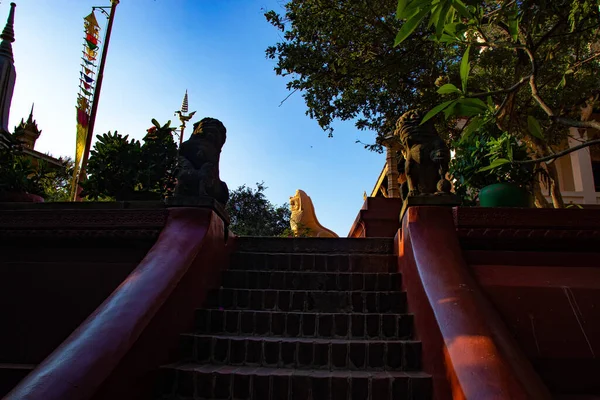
310,300
301,324
314,262
327,354
229,382
315,245
311,280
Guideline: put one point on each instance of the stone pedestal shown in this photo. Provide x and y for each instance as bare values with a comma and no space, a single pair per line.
443,200
201,202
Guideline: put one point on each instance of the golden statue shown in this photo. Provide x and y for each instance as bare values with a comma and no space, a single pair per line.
303,221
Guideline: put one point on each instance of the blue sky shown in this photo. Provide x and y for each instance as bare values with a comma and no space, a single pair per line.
215,50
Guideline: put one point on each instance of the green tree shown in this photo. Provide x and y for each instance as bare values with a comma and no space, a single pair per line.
340,54
113,167
252,214
159,158
126,169
57,182
21,173
529,67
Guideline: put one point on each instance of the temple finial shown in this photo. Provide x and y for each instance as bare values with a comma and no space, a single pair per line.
8,34
30,119
184,105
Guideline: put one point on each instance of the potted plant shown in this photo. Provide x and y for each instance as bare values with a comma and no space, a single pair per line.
487,169
21,179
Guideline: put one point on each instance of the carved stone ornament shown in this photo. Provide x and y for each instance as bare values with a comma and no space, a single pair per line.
198,164
426,156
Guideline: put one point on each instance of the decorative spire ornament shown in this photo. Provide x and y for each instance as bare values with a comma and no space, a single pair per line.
183,117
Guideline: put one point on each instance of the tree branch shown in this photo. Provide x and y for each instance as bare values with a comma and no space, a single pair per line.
287,97
514,87
577,124
553,157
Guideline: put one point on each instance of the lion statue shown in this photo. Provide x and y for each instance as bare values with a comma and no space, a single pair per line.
303,221
426,156
198,162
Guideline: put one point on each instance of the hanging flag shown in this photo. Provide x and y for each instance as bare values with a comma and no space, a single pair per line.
88,63
91,45
86,93
87,78
91,24
86,85
92,38
82,103
88,57
91,53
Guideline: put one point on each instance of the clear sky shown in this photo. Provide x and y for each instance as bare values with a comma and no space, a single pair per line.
216,50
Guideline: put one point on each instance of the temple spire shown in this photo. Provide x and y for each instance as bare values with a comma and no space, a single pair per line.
30,119
8,75
8,34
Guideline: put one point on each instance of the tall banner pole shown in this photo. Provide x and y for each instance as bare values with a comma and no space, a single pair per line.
94,110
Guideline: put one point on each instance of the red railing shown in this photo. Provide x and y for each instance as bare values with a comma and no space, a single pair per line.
116,351
466,346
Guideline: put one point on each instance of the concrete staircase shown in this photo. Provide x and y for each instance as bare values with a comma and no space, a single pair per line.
303,319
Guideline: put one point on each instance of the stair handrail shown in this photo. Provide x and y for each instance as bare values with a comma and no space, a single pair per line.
81,364
466,346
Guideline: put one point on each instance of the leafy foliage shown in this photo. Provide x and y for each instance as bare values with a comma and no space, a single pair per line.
487,158
159,157
340,55
533,63
126,169
57,182
252,214
21,173
113,167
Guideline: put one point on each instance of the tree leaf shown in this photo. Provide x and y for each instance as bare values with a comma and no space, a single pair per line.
461,8
464,69
441,22
513,24
435,13
436,110
474,124
448,88
473,102
411,8
401,6
410,25
533,126
464,110
494,164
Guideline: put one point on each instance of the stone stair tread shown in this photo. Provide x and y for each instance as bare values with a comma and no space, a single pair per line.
296,253
350,313
308,300
253,261
299,339
267,371
311,290
316,245
312,280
